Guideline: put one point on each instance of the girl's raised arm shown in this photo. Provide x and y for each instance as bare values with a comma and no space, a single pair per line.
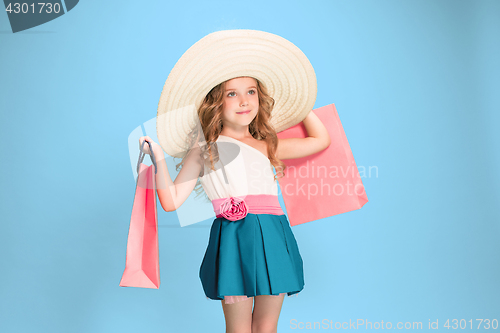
318,140
173,194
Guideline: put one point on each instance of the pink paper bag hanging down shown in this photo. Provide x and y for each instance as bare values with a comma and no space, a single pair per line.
326,183
142,267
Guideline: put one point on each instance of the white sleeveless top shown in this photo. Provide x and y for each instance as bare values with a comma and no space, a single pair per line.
247,171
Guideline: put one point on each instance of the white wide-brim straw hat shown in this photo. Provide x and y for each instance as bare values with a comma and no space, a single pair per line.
222,55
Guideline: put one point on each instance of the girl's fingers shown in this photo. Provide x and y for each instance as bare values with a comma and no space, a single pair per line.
146,147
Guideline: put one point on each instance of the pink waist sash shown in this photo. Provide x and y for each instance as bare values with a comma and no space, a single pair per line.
236,208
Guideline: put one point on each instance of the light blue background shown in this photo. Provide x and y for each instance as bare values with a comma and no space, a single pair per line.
416,87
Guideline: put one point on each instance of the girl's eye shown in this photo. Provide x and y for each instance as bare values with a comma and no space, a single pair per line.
232,92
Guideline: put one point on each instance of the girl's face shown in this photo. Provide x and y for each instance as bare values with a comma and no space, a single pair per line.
240,96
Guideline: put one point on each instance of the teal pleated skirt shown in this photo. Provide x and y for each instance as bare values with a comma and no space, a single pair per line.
257,255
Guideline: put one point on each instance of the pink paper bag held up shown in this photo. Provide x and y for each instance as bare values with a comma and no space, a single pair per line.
326,183
142,267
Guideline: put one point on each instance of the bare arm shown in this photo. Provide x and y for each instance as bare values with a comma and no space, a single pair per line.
172,194
317,140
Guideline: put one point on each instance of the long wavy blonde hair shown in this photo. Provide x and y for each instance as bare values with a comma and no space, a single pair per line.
210,115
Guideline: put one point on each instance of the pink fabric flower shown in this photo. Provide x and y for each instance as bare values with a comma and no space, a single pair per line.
233,208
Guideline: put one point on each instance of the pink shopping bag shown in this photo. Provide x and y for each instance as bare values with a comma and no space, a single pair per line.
326,183
142,267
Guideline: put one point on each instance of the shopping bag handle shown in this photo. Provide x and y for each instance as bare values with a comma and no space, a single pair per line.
142,154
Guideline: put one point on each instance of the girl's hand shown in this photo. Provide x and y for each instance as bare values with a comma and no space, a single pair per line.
156,147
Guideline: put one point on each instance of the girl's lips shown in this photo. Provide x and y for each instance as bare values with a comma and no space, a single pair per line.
244,112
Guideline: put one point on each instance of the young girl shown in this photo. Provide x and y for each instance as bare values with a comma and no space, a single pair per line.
252,258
